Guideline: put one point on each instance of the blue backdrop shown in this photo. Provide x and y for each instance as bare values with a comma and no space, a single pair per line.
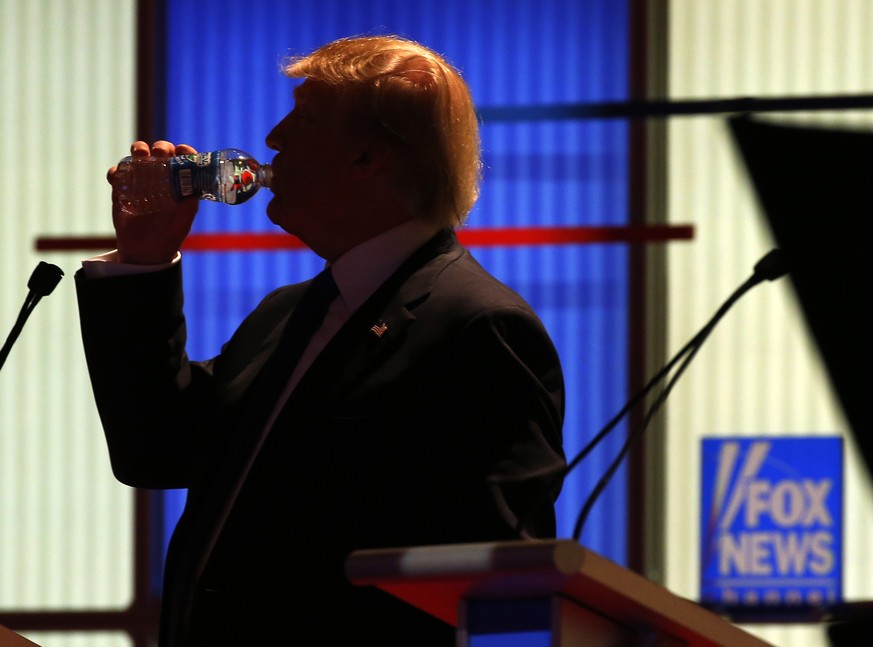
224,89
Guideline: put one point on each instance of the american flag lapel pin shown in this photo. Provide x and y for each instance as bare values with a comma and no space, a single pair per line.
379,328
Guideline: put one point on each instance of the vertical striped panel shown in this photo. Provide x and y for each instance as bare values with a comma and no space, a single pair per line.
759,373
224,89
66,114
80,639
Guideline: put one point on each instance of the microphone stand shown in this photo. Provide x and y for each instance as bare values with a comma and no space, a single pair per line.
772,266
41,283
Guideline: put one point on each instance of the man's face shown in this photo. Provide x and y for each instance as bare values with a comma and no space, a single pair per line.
313,170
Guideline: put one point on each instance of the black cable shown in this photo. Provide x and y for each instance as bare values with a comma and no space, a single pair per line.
770,267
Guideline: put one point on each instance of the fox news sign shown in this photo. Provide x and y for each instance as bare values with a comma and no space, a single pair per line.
771,521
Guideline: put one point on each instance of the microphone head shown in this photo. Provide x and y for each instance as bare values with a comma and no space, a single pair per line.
44,279
772,266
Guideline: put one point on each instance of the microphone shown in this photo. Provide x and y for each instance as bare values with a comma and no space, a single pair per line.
770,267
44,279
42,282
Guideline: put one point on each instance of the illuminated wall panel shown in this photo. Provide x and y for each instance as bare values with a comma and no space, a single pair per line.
79,639
66,114
759,373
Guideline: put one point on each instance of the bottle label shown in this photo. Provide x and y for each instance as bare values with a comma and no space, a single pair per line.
193,175
202,175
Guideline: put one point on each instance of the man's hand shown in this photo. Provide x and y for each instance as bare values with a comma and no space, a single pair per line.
155,237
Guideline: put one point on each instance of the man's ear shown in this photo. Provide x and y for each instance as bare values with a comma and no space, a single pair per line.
373,157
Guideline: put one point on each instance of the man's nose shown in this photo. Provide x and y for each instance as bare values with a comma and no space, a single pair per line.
273,139
277,137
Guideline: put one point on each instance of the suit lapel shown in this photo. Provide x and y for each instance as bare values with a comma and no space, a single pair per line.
357,349
376,329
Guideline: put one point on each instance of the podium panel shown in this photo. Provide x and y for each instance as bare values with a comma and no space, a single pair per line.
12,639
555,593
539,622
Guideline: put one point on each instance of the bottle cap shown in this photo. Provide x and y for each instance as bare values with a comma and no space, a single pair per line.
265,175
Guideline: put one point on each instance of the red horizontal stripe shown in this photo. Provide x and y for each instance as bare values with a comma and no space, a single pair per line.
570,235
471,237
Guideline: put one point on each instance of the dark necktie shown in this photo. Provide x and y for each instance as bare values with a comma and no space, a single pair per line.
304,321
264,394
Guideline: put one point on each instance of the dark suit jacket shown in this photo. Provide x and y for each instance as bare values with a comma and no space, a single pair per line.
444,429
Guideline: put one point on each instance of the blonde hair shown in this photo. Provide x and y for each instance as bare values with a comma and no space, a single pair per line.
420,103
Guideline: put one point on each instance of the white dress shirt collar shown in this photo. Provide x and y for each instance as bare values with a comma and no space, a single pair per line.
361,270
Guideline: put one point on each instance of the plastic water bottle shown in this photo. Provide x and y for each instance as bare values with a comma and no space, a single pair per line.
149,185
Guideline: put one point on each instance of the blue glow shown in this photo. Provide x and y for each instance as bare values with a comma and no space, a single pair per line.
520,639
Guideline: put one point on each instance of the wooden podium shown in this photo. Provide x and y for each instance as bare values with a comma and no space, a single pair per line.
541,593
12,639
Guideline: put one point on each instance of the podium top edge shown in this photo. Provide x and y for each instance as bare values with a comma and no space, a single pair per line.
435,578
560,557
